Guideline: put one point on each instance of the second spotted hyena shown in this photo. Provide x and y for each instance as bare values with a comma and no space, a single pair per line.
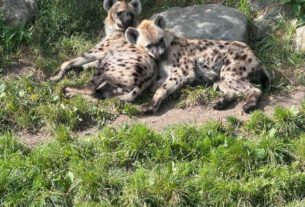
231,65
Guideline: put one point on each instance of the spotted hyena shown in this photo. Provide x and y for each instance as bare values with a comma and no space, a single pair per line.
124,73
123,70
121,15
230,65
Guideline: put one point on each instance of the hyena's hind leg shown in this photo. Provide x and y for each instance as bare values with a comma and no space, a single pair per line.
233,89
89,91
81,63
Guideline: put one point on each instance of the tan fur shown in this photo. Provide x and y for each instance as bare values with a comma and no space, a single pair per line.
230,65
114,39
123,71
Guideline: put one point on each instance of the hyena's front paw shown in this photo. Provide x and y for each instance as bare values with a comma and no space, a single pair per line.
220,104
249,107
148,109
55,78
67,92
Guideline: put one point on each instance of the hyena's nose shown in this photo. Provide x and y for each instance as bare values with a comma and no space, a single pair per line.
128,23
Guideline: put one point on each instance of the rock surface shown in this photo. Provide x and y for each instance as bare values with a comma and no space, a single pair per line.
18,12
300,39
212,21
269,12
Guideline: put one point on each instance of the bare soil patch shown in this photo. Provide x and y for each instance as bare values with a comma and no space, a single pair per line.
191,115
198,115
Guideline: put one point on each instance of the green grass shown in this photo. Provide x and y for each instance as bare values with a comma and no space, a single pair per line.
211,165
59,34
257,163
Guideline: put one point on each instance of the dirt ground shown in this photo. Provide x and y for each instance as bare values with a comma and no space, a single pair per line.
191,115
199,115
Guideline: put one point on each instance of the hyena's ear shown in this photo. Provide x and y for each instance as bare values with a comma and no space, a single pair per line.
160,22
132,35
136,4
108,4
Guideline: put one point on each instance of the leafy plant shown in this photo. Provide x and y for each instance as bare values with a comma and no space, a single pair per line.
298,7
12,37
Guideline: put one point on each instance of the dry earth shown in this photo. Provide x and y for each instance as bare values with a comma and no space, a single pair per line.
191,115
199,115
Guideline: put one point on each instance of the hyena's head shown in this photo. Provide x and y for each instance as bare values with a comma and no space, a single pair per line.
121,15
150,36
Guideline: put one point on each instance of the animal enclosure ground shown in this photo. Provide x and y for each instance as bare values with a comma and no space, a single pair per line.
72,152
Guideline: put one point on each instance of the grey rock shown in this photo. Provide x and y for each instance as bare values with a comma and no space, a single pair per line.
18,12
261,4
300,39
212,21
269,12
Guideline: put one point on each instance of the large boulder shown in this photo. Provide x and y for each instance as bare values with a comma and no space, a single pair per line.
212,21
18,12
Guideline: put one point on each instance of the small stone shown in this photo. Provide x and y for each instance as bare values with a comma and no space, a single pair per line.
300,39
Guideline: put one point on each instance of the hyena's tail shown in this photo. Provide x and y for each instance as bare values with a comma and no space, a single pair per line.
264,77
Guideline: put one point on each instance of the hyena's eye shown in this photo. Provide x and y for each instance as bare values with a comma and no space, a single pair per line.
119,13
161,41
149,46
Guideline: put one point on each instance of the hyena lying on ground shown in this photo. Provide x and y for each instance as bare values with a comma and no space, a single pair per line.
123,71
120,16
184,61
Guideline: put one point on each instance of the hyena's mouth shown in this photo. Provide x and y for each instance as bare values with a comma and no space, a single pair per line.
126,24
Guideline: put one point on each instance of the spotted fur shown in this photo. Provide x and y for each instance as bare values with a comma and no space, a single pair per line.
123,70
121,15
230,65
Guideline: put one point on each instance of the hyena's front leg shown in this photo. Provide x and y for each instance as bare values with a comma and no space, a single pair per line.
83,62
177,78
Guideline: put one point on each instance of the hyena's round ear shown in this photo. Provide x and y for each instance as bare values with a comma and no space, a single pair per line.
136,4
132,35
160,22
108,4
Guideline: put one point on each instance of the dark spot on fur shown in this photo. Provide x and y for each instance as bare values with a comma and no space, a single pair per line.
243,69
249,60
135,74
210,44
227,62
244,57
202,48
139,69
221,46
122,65
215,51
184,72
134,93
164,86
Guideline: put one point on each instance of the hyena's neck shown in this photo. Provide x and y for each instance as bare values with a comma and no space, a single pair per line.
110,27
